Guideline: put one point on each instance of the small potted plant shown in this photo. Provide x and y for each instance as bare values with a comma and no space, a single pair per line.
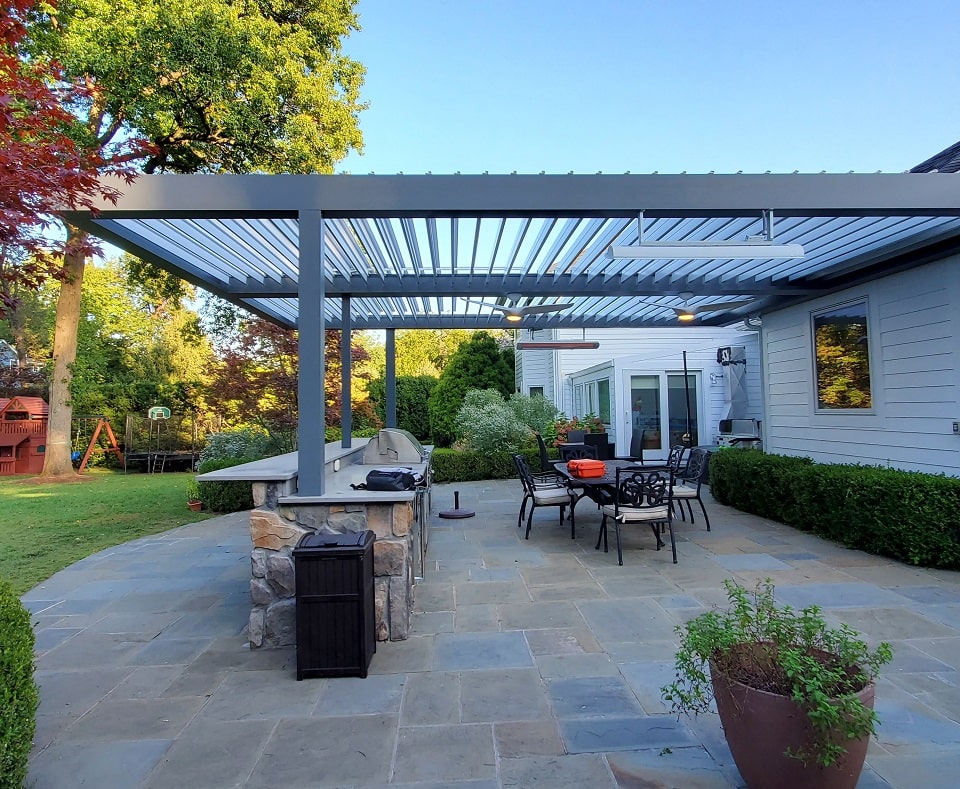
193,496
795,696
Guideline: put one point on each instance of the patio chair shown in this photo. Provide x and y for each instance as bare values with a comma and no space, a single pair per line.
640,497
636,447
687,486
546,464
543,490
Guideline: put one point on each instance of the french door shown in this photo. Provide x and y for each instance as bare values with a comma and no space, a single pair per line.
661,409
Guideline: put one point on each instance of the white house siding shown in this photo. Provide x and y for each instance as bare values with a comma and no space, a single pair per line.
653,351
536,368
914,374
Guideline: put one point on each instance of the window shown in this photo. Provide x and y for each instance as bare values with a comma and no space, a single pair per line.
536,390
603,398
842,357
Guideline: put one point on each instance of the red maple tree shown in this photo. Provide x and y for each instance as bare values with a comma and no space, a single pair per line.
45,164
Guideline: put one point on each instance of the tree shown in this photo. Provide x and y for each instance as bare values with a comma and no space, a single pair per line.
413,394
213,86
477,364
256,381
37,128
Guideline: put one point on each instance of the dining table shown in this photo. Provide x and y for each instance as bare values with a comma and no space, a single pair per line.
602,490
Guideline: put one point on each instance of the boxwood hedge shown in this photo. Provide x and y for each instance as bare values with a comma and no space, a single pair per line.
906,515
18,691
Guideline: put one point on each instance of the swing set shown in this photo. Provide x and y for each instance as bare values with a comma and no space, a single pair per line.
101,431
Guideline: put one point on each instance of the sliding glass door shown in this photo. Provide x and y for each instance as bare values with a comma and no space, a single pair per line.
663,412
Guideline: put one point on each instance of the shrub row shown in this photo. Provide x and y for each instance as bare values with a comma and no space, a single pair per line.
225,496
450,465
906,515
18,691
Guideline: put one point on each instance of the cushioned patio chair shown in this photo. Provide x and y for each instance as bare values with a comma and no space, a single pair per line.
640,498
543,490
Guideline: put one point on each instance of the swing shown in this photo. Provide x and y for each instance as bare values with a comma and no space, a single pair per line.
76,453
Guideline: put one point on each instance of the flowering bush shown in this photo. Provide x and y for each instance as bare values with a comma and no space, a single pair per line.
486,423
588,423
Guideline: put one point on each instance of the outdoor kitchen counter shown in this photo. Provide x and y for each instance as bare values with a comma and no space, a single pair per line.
280,518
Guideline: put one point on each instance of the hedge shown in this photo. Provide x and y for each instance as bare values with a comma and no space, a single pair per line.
18,691
450,465
906,515
225,496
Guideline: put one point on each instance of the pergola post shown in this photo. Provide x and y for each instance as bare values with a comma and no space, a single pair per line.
346,372
310,394
391,404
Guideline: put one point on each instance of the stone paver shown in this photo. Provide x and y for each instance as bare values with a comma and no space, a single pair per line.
530,663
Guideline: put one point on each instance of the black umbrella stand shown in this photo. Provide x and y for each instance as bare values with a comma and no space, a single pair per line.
456,512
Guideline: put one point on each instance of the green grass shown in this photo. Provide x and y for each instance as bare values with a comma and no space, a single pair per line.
45,527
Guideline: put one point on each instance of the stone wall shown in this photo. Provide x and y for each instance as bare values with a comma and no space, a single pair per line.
275,530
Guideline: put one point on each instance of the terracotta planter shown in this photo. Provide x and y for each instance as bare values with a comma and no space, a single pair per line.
760,726
195,506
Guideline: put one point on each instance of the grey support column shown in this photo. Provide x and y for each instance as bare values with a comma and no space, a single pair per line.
346,372
310,393
391,405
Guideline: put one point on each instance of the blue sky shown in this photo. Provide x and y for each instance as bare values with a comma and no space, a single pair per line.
630,85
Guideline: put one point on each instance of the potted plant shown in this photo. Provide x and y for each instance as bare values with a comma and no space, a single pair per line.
193,495
795,696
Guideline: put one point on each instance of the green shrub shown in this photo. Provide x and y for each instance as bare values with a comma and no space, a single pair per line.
18,691
485,423
906,515
537,413
449,465
247,443
225,496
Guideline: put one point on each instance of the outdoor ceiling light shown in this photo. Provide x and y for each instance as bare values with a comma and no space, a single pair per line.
723,250
514,318
686,317
759,247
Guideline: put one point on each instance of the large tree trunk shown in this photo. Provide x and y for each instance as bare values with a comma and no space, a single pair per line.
57,460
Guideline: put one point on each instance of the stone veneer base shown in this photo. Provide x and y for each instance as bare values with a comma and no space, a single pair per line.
275,530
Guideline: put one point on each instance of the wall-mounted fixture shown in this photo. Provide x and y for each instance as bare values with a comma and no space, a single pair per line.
715,377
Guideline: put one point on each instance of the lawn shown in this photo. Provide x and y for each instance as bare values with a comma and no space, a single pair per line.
45,527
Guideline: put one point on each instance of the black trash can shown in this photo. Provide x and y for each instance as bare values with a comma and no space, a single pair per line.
336,631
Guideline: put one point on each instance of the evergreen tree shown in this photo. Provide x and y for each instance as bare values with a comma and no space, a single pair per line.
477,364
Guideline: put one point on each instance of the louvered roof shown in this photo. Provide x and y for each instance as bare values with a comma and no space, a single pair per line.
408,251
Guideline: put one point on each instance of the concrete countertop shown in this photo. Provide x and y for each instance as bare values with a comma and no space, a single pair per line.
344,467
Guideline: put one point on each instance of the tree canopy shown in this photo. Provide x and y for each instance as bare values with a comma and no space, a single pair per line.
213,85
36,127
210,86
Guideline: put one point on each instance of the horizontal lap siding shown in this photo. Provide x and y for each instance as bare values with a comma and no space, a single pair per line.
915,375
659,350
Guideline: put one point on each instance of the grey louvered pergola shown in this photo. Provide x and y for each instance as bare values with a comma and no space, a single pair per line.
394,252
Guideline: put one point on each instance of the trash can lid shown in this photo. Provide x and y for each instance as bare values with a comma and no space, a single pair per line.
350,539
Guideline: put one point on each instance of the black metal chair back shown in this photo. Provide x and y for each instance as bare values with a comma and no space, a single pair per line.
545,463
575,453
689,484
675,459
637,488
636,445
